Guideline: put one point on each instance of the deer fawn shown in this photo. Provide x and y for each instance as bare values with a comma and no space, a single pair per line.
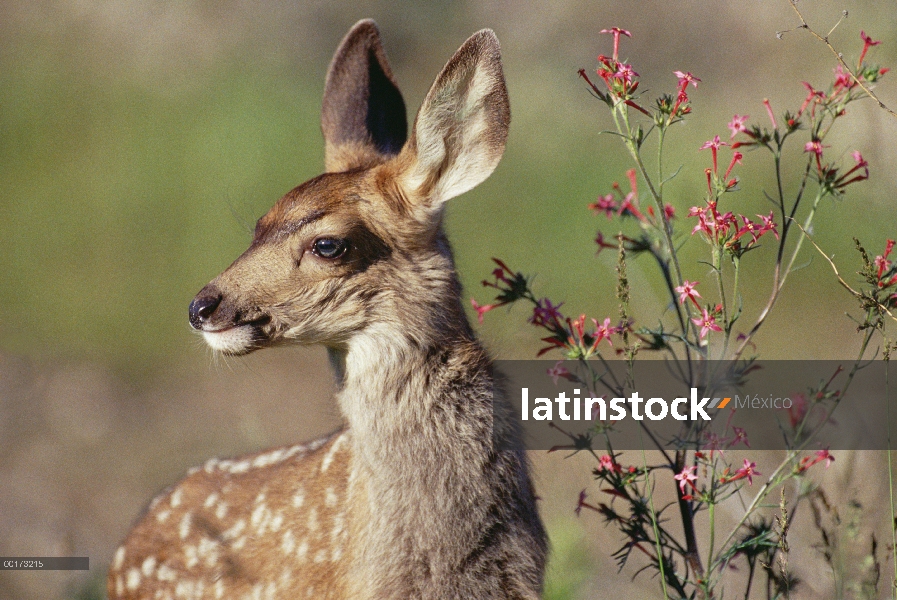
416,497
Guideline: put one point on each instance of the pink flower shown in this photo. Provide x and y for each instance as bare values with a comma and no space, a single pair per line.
607,463
769,112
603,332
685,79
686,291
815,147
824,455
748,470
617,32
736,125
707,323
482,310
884,266
740,436
714,145
842,80
605,204
625,73
687,477
681,96
558,370
630,201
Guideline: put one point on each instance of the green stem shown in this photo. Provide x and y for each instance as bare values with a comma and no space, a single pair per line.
772,481
658,549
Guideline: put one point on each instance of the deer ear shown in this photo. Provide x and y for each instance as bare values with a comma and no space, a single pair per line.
460,131
363,114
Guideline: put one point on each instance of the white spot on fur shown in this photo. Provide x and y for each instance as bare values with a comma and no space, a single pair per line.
119,586
208,549
299,498
328,458
235,530
165,573
176,498
289,542
184,527
219,589
211,500
267,459
148,566
240,467
260,517
133,580
211,465
313,520
184,589
337,530
119,558
330,498
302,550
191,556
221,510
286,576
277,521
163,515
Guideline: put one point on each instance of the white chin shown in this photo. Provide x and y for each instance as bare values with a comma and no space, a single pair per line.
236,340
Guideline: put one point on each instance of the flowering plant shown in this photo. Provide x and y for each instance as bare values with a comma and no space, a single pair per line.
693,328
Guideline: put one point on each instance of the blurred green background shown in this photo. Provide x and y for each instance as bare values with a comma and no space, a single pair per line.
140,141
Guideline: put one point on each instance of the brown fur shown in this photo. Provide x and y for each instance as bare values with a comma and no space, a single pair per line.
426,493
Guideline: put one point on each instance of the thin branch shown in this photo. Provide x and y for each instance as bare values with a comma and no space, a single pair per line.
846,286
840,57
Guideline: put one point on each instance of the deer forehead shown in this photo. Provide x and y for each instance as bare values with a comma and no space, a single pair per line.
362,203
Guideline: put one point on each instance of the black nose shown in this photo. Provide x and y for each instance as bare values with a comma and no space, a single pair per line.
202,309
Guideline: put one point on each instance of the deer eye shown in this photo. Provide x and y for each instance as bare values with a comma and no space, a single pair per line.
329,247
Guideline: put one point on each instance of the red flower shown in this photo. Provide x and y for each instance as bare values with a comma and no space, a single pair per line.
714,145
617,32
736,158
482,310
605,204
772,117
868,42
748,470
824,455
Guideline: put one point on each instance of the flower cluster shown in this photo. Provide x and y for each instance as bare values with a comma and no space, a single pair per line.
701,467
724,229
886,270
567,334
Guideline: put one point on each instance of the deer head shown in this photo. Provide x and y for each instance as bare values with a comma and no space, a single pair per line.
361,248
